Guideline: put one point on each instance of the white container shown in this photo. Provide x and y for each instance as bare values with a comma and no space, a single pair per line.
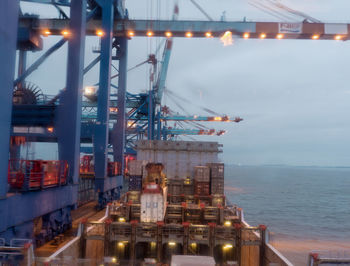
178,157
135,167
152,207
186,260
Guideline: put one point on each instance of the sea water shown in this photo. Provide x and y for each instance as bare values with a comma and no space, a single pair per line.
294,202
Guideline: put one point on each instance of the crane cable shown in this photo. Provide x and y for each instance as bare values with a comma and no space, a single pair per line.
172,94
201,10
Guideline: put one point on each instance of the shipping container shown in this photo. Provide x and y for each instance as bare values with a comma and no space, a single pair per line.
175,186
153,206
216,170
135,167
201,188
217,186
201,174
188,189
135,183
178,157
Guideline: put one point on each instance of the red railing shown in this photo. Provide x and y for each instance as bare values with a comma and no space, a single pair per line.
36,174
87,166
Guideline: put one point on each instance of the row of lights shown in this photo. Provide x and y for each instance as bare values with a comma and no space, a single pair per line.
189,34
280,36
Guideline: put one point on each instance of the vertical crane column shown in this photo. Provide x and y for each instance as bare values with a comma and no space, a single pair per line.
8,37
69,111
119,127
102,123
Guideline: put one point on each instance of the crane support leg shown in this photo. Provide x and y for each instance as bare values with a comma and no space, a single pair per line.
69,116
119,127
8,38
102,123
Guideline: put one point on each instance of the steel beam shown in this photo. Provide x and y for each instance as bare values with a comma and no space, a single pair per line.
21,208
102,123
118,135
69,110
179,28
8,37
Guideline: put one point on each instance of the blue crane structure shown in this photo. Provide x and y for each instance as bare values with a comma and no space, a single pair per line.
62,119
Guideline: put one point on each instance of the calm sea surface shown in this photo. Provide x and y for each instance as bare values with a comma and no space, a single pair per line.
294,202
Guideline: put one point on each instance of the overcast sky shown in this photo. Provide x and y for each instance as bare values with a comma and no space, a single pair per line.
293,95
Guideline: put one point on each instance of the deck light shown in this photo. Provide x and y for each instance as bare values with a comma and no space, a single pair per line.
100,33
315,37
121,219
208,34
168,34
131,33
262,36
47,32
280,36
338,37
50,129
189,34
121,244
246,35
172,244
149,33
227,223
227,246
65,33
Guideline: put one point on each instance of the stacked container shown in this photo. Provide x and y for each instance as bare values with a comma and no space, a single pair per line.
175,187
135,168
201,180
188,187
135,183
216,178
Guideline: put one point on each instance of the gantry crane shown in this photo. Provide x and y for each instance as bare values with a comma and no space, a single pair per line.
59,119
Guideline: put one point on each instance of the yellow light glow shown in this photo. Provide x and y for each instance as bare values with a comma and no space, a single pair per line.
217,118
131,124
280,36
114,260
315,37
65,33
121,244
168,34
121,219
227,246
338,37
172,244
131,33
193,245
228,223
227,39
208,35
89,90
262,36
246,35
149,33
47,32
50,129
100,33
189,34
